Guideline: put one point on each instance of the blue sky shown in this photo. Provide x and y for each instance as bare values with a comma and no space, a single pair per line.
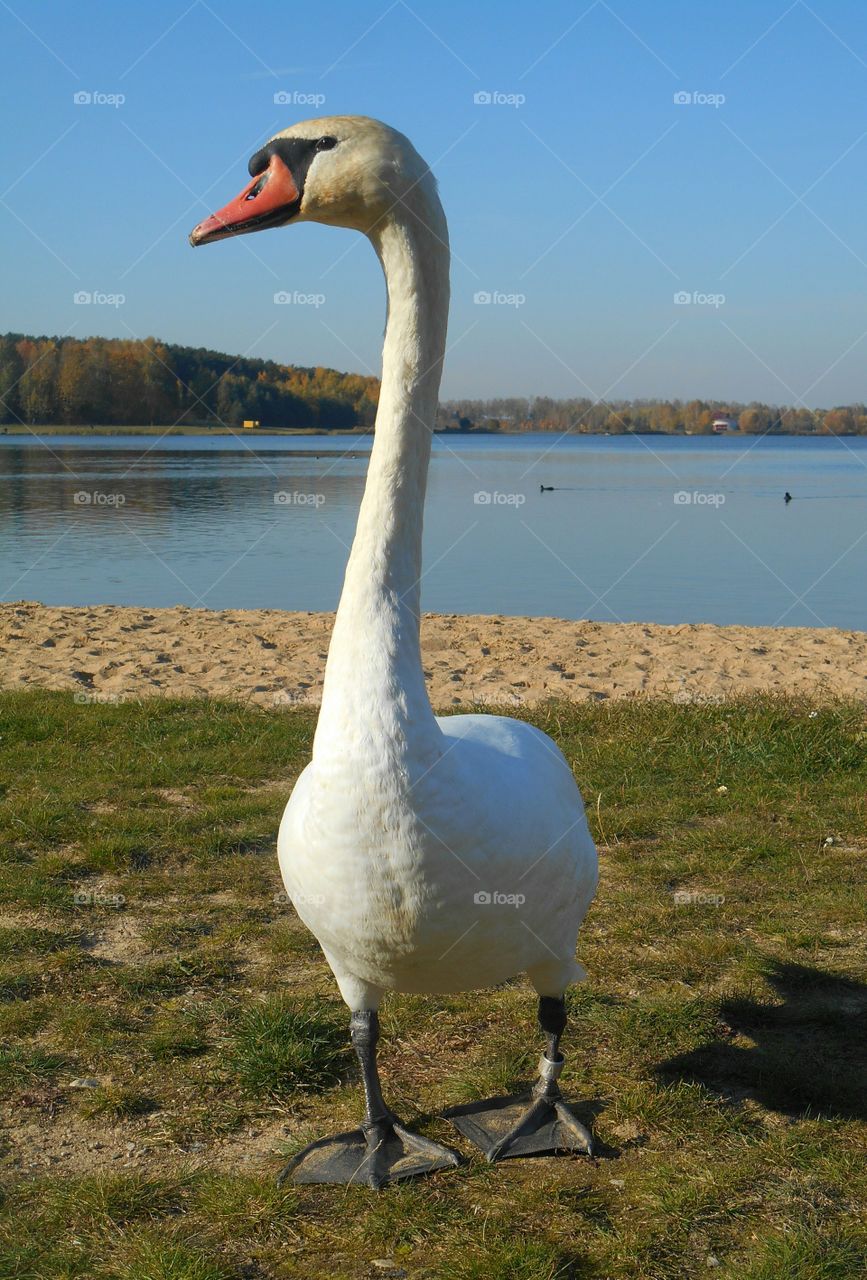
595,199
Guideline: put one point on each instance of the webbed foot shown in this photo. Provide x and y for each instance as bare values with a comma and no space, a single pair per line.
371,1155
540,1124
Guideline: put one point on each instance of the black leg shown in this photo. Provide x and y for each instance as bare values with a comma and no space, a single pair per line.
538,1125
364,1030
381,1150
552,1020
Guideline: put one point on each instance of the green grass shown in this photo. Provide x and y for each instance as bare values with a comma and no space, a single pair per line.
719,1043
284,1045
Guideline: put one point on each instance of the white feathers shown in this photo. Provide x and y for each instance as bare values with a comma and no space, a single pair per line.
425,854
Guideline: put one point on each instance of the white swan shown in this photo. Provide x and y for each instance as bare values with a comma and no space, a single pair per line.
425,854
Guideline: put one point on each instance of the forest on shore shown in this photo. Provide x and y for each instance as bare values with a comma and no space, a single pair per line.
644,417
130,382
105,382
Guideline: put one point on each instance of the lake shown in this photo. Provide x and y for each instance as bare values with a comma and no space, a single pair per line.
649,529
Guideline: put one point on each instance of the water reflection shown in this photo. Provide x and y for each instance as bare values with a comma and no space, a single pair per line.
657,529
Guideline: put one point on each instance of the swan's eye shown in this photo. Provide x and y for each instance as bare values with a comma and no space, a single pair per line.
325,144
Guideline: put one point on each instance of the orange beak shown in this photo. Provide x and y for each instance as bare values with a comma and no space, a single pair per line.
269,200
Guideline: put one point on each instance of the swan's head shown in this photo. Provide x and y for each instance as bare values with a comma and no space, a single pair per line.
347,171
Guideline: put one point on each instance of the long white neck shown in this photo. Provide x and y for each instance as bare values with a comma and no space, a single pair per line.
374,700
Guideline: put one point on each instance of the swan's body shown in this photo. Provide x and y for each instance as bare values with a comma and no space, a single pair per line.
387,866
425,854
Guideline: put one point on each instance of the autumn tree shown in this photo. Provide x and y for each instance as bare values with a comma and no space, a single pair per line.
838,422
38,385
11,369
754,420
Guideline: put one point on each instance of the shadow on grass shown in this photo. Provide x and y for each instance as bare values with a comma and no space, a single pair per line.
810,1054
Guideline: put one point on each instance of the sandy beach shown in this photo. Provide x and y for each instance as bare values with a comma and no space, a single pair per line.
273,658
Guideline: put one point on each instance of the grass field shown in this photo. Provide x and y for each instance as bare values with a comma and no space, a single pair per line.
146,951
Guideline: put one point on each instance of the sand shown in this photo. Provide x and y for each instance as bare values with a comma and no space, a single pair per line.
265,656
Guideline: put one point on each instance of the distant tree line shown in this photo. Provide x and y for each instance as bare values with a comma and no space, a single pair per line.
131,382
622,417
121,382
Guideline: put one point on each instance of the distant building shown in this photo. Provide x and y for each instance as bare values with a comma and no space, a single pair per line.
251,423
722,422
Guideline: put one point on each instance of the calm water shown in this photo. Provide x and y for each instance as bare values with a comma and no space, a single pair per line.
194,521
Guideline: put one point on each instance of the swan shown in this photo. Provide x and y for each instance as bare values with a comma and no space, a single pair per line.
425,854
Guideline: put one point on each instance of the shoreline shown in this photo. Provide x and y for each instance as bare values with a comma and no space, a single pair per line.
19,429
15,429
115,653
